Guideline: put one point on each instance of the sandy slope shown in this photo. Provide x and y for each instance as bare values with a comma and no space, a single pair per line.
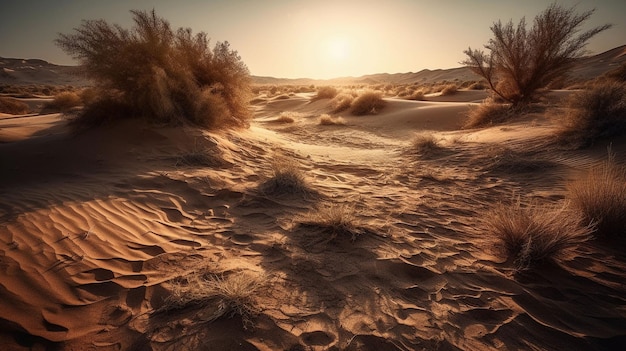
95,227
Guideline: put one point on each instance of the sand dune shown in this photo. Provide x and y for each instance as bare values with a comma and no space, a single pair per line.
96,228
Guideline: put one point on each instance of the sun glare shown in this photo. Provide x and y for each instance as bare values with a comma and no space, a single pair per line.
338,49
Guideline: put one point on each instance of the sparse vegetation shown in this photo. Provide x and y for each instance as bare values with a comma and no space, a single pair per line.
368,103
598,112
162,75
327,120
521,61
287,178
325,93
12,106
335,220
449,89
285,117
424,144
533,234
341,102
64,102
218,296
488,113
601,197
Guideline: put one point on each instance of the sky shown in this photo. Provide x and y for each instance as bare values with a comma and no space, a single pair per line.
307,38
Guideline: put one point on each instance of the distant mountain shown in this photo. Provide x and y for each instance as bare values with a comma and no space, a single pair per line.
33,71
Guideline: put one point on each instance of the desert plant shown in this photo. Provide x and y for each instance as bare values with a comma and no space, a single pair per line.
601,197
449,89
12,106
488,113
424,144
417,95
286,117
335,220
341,102
218,295
521,61
64,102
533,234
287,178
326,92
594,113
327,120
369,102
163,75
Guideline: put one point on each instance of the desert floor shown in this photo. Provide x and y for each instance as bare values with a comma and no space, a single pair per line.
97,230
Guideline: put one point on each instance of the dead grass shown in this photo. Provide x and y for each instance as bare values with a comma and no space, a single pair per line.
449,89
368,103
601,197
328,120
424,144
341,102
418,95
335,220
63,102
13,106
325,93
532,234
488,113
287,178
218,296
286,117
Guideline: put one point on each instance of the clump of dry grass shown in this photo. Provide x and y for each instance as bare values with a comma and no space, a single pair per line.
328,120
368,103
534,234
595,113
449,89
218,296
341,102
601,197
287,178
327,92
424,144
64,102
488,113
335,220
286,117
12,106
417,95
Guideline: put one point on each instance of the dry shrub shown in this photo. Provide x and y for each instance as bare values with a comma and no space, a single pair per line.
368,103
325,93
218,296
424,144
601,197
335,220
341,102
286,117
327,120
12,106
162,75
534,234
417,95
287,179
481,85
595,113
64,102
488,113
449,89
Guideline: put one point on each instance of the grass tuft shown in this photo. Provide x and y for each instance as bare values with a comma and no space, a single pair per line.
63,102
287,179
335,220
12,106
424,144
327,120
368,103
488,113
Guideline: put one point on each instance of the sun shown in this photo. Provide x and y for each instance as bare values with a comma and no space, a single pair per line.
338,49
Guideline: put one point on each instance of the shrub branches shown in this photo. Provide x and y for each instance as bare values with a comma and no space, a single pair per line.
160,74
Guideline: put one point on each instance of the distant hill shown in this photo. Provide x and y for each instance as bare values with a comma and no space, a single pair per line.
33,71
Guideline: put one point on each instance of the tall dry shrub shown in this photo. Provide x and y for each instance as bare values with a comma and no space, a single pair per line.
521,61
368,103
162,75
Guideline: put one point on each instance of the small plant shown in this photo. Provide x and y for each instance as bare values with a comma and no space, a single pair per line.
335,220
327,120
424,144
12,106
341,102
601,197
285,117
64,102
533,234
368,103
325,93
218,296
449,89
287,178
417,95
595,113
488,113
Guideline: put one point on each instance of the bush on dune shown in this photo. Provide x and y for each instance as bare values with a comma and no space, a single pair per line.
162,75
488,113
12,106
64,102
325,93
368,103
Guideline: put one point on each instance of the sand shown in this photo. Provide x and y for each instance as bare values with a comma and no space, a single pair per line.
96,228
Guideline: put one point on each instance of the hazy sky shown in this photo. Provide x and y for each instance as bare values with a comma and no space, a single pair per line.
306,38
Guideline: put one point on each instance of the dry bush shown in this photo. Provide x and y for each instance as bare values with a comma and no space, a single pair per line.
327,120
595,113
335,220
325,93
449,89
162,75
482,85
488,113
368,103
286,117
341,102
601,197
534,234
218,296
287,179
526,60
64,102
12,106
618,74
424,144
417,95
